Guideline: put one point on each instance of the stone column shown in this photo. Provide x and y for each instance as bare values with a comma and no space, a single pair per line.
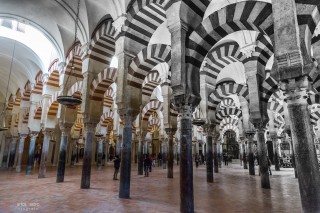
276,161
3,146
250,135
86,167
65,131
170,132
127,117
240,153
262,153
12,151
20,151
244,154
208,128
186,167
140,154
30,161
292,153
178,152
164,153
45,146
304,151
197,148
100,152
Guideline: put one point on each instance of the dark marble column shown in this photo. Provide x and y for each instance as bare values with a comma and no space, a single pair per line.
20,151
178,153
250,135
186,167
164,154
30,161
244,155
45,147
100,152
218,145
276,161
140,154
65,131
87,157
125,166
208,128
262,153
12,151
292,153
170,132
304,151
215,156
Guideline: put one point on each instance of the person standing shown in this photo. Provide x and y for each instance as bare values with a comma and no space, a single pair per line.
116,163
225,159
146,163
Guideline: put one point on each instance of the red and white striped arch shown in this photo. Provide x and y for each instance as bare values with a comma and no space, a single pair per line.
17,100
76,88
152,106
102,82
53,72
102,46
151,82
76,53
26,115
10,103
38,111
53,104
109,97
27,92
38,85
106,118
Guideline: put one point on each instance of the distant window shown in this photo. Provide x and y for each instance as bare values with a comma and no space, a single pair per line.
7,23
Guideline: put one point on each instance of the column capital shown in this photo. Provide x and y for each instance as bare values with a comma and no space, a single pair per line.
23,136
128,115
250,135
170,131
296,90
209,129
119,23
65,128
33,134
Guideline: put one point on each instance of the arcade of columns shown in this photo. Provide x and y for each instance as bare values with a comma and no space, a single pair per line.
278,105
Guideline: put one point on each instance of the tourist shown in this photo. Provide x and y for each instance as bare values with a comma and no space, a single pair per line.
225,159
116,163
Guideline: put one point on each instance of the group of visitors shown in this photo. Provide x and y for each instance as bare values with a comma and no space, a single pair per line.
199,159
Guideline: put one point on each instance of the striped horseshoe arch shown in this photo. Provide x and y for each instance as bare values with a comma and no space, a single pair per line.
223,91
227,112
76,53
229,127
143,19
150,83
102,82
53,72
248,15
268,88
220,57
145,61
27,92
102,45
152,106
228,120
154,122
308,13
76,88
227,102
53,104
109,96
10,103
26,116
38,111
38,84
314,99
275,106
314,117
78,125
106,118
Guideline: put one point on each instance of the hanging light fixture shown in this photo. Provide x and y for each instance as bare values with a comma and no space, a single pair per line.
71,101
3,126
197,121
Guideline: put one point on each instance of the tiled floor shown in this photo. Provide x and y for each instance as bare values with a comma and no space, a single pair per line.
233,191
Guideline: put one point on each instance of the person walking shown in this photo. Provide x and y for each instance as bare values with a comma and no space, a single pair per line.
116,163
225,159
146,163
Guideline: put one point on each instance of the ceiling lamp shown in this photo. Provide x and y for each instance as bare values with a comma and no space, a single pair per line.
3,126
71,101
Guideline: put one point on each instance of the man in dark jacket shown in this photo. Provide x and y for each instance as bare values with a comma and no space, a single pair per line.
116,163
